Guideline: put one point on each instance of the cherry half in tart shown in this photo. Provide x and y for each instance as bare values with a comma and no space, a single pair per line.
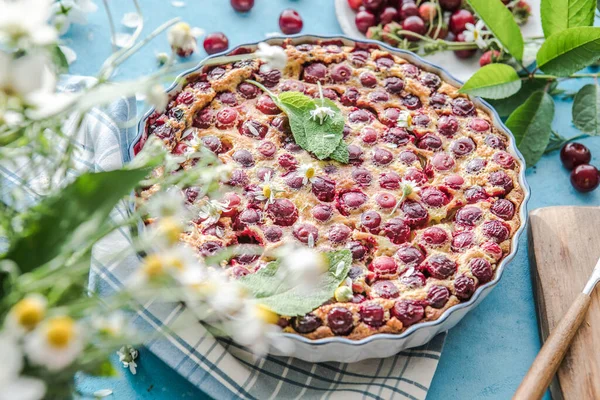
415,252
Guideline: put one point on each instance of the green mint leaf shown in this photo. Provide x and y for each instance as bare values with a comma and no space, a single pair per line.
494,81
291,301
340,154
295,104
586,109
559,15
566,52
324,138
500,21
504,107
59,60
531,123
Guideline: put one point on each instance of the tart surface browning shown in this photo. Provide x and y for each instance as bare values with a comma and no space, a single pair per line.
412,259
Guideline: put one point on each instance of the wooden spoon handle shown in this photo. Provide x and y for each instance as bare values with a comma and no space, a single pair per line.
546,363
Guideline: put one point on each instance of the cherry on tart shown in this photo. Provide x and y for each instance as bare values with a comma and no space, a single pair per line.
426,205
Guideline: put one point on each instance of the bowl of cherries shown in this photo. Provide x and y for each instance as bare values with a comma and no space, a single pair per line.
439,30
576,158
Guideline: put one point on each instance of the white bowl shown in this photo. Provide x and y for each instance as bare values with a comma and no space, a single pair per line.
383,344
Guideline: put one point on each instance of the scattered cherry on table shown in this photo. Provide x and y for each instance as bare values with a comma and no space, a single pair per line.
290,22
585,178
574,154
216,42
242,5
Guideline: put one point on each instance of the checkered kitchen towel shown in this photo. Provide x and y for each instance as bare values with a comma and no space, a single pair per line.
221,368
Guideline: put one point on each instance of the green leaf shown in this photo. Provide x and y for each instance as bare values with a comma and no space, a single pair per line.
295,105
64,220
500,21
566,52
323,139
288,300
103,369
586,109
341,154
494,81
559,15
531,123
59,60
504,107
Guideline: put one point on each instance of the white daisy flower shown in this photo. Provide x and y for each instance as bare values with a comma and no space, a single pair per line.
169,203
408,187
476,33
182,38
267,191
127,356
273,56
26,22
67,12
301,266
321,112
308,173
404,120
112,325
173,261
13,385
157,97
211,211
55,344
255,327
26,314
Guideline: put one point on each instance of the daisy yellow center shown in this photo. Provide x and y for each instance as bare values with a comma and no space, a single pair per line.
266,314
29,313
153,266
171,229
175,262
183,27
475,34
267,192
310,172
204,288
60,331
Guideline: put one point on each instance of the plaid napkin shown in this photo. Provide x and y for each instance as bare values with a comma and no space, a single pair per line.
221,368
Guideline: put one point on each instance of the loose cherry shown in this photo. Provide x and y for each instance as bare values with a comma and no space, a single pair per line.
242,5
414,24
463,53
574,154
290,22
364,20
585,178
459,20
215,42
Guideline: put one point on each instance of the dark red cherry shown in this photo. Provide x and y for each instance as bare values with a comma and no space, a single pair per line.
397,230
212,143
475,194
501,179
465,53
266,105
481,269
414,280
382,156
411,102
371,221
364,20
290,22
228,98
267,149
454,181
340,73
372,315
430,80
463,146
496,230
322,212
378,96
433,197
226,117
397,136
479,125
368,135
438,296
304,231
373,5
215,42
340,320
360,116
438,100
238,178
242,5
495,142
384,265
430,142
323,189
385,200
435,236
385,289
574,154
408,157
462,241
355,154
210,248
248,90
462,107
249,216
253,129
315,72
359,57
468,215
440,267
353,199
283,212
307,324
442,162
447,125
393,84
504,159
288,162
503,208
450,5
459,19
244,158
350,97
367,79
408,9
475,166
408,312
358,250
415,214
362,176
464,287
585,178
410,256
414,24
339,233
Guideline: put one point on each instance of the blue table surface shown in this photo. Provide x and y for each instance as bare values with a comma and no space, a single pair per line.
490,350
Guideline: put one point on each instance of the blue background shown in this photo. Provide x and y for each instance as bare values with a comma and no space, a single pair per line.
488,353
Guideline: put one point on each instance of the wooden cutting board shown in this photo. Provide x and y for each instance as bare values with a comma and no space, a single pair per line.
564,245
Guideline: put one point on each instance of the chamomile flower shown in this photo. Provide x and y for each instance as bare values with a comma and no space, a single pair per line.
404,120
157,97
168,204
308,173
14,385
273,56
408,187
476,33
127,356
301,266
55,343
267,191
112,325
26,314
32,29
255,327
321,112
211,211
182,39
172,261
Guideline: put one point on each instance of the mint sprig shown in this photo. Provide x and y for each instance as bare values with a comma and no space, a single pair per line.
322,137
289,300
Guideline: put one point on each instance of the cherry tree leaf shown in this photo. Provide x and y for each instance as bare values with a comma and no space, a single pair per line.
500,21
566,52
558,15
494,81
586,109
531,124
